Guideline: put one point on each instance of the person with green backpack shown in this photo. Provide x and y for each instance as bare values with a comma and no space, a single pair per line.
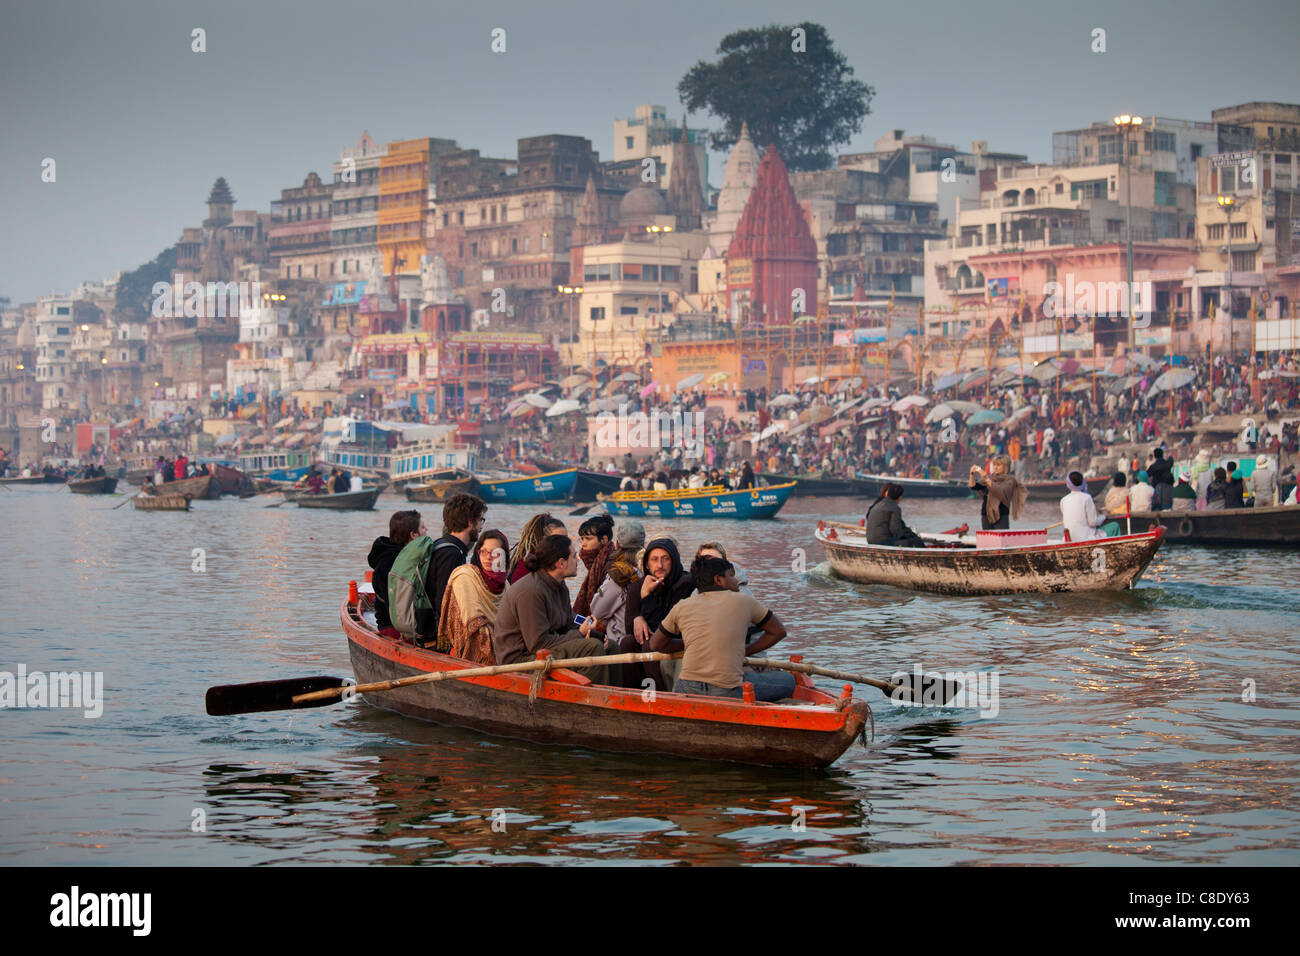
417,580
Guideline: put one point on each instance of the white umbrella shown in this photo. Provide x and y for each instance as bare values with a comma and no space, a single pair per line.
577,392
845,406
880,402
1045,372
601,405
627,377
939,413
1174,378
965,407
912,401
575,379
690,381
811,380
537,401
781,401
771,430
1021,412
563,407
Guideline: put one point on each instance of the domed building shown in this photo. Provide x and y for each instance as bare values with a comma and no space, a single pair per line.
639,208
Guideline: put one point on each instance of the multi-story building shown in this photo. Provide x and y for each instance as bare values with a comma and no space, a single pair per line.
54,351
20,396
408,171
354,225
300,243
651,133
1270,126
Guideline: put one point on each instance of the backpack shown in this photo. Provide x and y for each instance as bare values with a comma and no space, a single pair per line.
408,601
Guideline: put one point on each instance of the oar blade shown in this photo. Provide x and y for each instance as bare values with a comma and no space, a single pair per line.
266,695
928,690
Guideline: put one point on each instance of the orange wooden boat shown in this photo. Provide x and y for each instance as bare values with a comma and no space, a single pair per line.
811,731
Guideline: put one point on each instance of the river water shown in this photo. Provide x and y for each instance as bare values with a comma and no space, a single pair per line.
1123,731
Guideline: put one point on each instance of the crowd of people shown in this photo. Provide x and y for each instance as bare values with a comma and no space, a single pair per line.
470,594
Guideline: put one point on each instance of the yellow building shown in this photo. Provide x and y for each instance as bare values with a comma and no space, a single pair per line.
406,175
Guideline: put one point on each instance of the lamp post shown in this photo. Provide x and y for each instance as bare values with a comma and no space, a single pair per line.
1127,123
659,274
1226,203
571,291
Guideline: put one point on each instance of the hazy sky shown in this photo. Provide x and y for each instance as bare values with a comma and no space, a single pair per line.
140,126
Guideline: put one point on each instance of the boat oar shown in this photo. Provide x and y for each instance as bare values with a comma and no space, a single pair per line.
583,510
299,692
125,500
916,688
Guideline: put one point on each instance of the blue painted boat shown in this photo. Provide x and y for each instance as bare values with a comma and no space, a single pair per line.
713,502
528,489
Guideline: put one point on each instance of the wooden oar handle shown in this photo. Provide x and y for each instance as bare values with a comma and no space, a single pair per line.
802,668
521,667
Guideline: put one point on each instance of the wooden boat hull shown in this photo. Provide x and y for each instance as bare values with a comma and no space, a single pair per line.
915,487
442,490
363,500
1105,564
203,488
1232,527
763,502
36,480
548,486
1056,490
590,485
810,487
161,503
570,711
232,481
104,485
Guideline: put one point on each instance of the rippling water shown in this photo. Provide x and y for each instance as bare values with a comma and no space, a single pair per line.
1130,703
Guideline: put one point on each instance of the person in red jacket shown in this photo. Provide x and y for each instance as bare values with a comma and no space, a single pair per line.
182,467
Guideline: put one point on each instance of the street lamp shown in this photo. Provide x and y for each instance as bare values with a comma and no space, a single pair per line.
571,291
659,293
1226,203
1125,124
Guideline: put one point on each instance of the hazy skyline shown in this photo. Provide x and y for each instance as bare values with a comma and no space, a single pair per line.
140,126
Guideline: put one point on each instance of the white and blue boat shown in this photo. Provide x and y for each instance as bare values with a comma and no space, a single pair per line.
527,489
711,502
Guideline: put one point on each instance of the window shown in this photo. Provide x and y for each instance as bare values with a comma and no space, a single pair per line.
446,216
1113,226
1087,151
1228,179
514,245
1060,188
1243,262
1092,189
1164,189
1109,149
597,314
628,310
494,213
629,141
1239,230
473,250
527,240
1164,142
1214,232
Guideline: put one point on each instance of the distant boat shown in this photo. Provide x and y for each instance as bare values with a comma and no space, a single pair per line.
202,487
160,503
35,480
1056,490
811,486
915,487
1267,526
103,485
590,485
442,485
529,489
956,567
710,502
363,500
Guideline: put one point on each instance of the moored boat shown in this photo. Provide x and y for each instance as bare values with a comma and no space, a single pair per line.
1056,490
710,502
812,731
160,503
203,487
54,479
103,485
527,489
955,567
814,486
589,485
363,500
441,487
915,487
1275,526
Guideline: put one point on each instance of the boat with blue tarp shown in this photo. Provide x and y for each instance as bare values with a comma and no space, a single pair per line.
713,501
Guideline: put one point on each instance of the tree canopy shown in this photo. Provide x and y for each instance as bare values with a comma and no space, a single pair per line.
789,84
135,288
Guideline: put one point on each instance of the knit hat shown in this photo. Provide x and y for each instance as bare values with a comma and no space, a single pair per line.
1184,474
631,536
1142,476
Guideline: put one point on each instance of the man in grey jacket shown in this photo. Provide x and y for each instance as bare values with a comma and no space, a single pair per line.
1263,483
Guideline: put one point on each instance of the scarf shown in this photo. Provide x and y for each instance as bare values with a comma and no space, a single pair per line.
596,563
623,571
1072,486
474,596
495,581
1004,490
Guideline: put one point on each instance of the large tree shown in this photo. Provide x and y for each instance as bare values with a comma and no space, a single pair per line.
135,288
789,84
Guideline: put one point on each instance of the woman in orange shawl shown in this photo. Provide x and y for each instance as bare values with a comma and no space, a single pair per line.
469,607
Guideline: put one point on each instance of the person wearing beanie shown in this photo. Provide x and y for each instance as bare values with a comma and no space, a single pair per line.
1141,494
1263,483
1184,495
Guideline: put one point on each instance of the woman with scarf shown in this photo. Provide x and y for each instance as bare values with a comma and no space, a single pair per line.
469,607
664,583
1003,495
537,528
596,535
1216,493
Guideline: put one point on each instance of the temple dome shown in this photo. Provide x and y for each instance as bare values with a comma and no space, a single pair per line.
640,205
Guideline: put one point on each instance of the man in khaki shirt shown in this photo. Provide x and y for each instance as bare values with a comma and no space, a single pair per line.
711,627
